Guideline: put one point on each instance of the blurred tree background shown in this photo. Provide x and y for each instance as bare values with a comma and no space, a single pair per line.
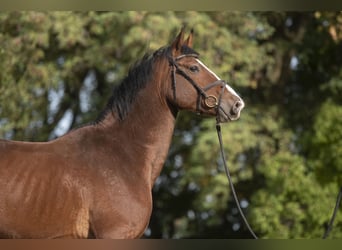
57,71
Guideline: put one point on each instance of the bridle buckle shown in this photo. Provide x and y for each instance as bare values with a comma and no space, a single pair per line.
211,101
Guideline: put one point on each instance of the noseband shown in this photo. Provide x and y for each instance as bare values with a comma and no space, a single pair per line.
210,101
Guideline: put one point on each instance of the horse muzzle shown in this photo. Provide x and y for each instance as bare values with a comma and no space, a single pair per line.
228,112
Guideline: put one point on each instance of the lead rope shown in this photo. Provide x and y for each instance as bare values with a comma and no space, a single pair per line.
219,135
330,225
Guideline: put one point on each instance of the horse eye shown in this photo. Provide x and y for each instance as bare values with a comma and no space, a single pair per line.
194,68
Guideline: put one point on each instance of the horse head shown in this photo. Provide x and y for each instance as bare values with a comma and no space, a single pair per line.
194,87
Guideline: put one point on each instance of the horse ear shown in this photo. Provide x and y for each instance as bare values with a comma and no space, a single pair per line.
189,40
178,42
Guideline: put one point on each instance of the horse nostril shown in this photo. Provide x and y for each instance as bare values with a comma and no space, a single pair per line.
237,106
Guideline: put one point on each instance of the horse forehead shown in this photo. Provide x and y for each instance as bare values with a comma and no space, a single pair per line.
209,70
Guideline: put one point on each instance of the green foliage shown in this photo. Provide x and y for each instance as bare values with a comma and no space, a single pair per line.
296,208
326,143
284,152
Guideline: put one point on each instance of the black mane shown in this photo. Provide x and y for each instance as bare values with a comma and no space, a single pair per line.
136,79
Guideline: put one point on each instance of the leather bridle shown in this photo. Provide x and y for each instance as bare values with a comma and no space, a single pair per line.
210,101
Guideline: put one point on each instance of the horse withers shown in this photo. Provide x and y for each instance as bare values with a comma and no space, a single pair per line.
96,181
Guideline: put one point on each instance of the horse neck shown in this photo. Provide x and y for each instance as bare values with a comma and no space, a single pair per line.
145,133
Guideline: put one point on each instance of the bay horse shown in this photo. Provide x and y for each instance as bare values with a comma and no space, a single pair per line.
96,181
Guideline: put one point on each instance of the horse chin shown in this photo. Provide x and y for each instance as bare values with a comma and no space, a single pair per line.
225,116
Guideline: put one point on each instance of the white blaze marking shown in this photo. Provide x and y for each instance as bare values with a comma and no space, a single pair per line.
232,90
204,66
217,78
